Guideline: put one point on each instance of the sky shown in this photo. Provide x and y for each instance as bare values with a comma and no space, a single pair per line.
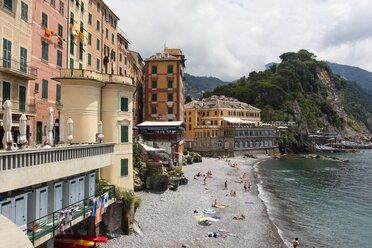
230,38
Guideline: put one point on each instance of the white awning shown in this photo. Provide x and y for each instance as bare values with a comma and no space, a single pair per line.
232,120
160,124
151,149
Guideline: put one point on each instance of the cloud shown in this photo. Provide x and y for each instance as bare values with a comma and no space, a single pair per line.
230,38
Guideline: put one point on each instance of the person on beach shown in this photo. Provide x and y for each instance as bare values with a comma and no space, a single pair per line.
245,187
295,242
226,184
205,181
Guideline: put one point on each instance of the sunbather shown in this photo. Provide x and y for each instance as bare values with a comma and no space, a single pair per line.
241,217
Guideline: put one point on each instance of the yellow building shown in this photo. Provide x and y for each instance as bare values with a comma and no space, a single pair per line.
219,125
211,113
15,59
89,97
76,45
164,87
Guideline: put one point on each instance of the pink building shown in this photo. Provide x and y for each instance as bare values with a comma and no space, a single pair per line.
49,31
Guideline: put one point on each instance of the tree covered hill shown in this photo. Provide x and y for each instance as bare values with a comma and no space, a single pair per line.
352,73
196,85
304,90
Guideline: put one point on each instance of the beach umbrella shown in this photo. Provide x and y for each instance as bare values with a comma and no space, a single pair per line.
22,129
100,130
7,124
50,125
209,211
70,129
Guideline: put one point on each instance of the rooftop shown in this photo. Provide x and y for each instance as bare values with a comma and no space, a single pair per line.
220,102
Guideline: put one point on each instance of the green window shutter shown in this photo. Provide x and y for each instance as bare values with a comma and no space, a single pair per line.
154,97
36,87
124,104
22,98
44,93
170,84
6,91
58,94
23,59
124,167
89,59
154,84
124,134
24,11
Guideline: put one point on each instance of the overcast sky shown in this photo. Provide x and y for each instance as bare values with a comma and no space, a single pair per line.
230,38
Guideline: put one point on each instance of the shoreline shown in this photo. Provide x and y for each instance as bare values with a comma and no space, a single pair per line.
258,192
167,219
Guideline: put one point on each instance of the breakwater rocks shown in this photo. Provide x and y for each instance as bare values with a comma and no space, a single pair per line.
322,157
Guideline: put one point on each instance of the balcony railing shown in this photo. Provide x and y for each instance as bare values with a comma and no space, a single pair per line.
22,70
89,74
49,226
21,107
11,160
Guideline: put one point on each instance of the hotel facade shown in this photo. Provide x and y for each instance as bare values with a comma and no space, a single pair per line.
221,125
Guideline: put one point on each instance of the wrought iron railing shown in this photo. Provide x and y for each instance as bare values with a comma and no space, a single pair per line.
51,223
21,107
19,67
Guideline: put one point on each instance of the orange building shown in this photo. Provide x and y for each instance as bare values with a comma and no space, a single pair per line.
164,86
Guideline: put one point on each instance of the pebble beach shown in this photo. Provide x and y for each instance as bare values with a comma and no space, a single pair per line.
169,219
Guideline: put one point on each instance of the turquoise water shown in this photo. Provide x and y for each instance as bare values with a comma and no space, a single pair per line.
323,203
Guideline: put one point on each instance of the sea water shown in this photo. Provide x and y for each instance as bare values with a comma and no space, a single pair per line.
323,203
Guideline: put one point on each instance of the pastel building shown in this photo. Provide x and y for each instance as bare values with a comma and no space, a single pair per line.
220,125
49,48
76,33
89,97
15,60
164,87
100,33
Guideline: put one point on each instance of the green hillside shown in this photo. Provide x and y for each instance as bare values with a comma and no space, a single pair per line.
195,86
362,77
304,90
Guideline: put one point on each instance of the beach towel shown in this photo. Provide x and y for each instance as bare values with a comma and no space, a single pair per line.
248,202
105,198
98,218
209,211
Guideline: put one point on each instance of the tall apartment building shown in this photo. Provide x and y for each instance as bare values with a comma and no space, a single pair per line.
164,87
15,59
136,68
49,28
76,34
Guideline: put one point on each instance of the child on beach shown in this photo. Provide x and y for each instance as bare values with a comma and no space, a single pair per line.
226,184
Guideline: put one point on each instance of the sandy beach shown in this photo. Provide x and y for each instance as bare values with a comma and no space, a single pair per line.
168,219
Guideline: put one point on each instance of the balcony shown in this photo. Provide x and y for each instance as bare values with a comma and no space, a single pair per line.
18,69
93,75
21,107
47,227
23,168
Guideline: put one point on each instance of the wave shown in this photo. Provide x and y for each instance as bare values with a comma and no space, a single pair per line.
264,196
